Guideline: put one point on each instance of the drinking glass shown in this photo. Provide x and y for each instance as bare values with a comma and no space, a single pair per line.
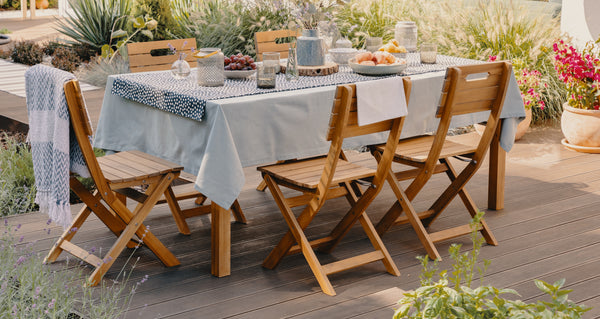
265,76
272,59
373,44
428,53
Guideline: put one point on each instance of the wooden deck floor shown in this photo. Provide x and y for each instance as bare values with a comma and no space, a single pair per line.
549,229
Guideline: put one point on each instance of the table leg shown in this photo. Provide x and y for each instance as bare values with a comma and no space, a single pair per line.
497,173
220,241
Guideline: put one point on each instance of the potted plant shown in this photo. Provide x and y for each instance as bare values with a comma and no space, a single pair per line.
580,71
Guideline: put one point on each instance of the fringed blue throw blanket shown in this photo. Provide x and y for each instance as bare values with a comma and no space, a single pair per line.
55,151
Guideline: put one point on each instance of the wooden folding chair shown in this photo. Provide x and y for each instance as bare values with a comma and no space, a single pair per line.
116,173
467,89
141,58
266,41
331,176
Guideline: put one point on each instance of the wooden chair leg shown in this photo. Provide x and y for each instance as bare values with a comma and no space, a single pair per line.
296,230
471,206
376,241
413,218
237,212
176,212
261,186
135,226
288,239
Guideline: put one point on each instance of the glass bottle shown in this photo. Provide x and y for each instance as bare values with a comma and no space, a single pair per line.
291,68
180,68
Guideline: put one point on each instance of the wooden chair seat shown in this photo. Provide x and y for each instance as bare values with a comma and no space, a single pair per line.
416,149
132,166
306,174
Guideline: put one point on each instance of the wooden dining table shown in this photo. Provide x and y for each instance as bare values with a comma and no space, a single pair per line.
215,132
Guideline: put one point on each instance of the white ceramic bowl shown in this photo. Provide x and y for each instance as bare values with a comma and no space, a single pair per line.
342,55
238,74
384,69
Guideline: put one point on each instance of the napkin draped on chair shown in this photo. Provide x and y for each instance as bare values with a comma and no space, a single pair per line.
55,151
380,100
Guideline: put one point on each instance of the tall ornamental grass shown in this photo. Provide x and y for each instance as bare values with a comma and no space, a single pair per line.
229,25
475,29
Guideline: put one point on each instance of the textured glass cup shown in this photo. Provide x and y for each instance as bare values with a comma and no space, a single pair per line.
265,76
373,44
272,59
291,69
428,53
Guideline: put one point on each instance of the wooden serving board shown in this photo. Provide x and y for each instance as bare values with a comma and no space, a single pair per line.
327,69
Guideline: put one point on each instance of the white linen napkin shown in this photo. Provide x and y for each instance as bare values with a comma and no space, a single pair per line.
380,100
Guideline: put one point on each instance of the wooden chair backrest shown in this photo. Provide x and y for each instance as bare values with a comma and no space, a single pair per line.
265,41
471,89
142,60
344,123
80,122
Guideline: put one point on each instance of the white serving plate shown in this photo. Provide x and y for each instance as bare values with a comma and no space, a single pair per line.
239,74
395,68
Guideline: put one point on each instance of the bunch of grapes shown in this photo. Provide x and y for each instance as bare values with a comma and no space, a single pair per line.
239,62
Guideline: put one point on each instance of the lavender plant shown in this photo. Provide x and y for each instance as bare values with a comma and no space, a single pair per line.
30,289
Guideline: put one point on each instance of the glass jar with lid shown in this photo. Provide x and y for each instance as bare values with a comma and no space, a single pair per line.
406,35
211,71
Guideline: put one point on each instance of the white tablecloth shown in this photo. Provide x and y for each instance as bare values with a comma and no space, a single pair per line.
257,129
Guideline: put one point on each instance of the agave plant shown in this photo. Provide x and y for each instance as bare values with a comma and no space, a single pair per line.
92,21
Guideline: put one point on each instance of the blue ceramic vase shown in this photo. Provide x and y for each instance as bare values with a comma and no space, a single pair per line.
310,49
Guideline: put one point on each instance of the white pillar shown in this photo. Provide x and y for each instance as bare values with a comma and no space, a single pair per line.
580,19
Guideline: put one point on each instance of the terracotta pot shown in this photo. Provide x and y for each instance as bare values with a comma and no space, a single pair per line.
41,4
581,127
521,127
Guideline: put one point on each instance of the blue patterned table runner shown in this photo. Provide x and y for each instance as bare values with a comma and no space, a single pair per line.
186,98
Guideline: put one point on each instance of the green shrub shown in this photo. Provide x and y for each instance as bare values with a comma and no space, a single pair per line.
438,299
17,182
159,10
92,21
30,289
5,31
27,52
65,58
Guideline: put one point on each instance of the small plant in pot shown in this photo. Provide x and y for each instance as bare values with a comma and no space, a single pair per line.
580,71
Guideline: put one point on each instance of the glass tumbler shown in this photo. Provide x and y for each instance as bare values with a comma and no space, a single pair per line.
265,76
373,44
428,53
272,59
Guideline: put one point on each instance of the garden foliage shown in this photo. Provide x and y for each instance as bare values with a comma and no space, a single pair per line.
452,297
30,289
17,182
27,52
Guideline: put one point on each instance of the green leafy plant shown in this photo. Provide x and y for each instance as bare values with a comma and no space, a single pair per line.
438,299
27,52
92,21
17,181
141,25
5,31
160,10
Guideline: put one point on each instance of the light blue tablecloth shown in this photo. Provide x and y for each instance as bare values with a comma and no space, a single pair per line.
258,129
